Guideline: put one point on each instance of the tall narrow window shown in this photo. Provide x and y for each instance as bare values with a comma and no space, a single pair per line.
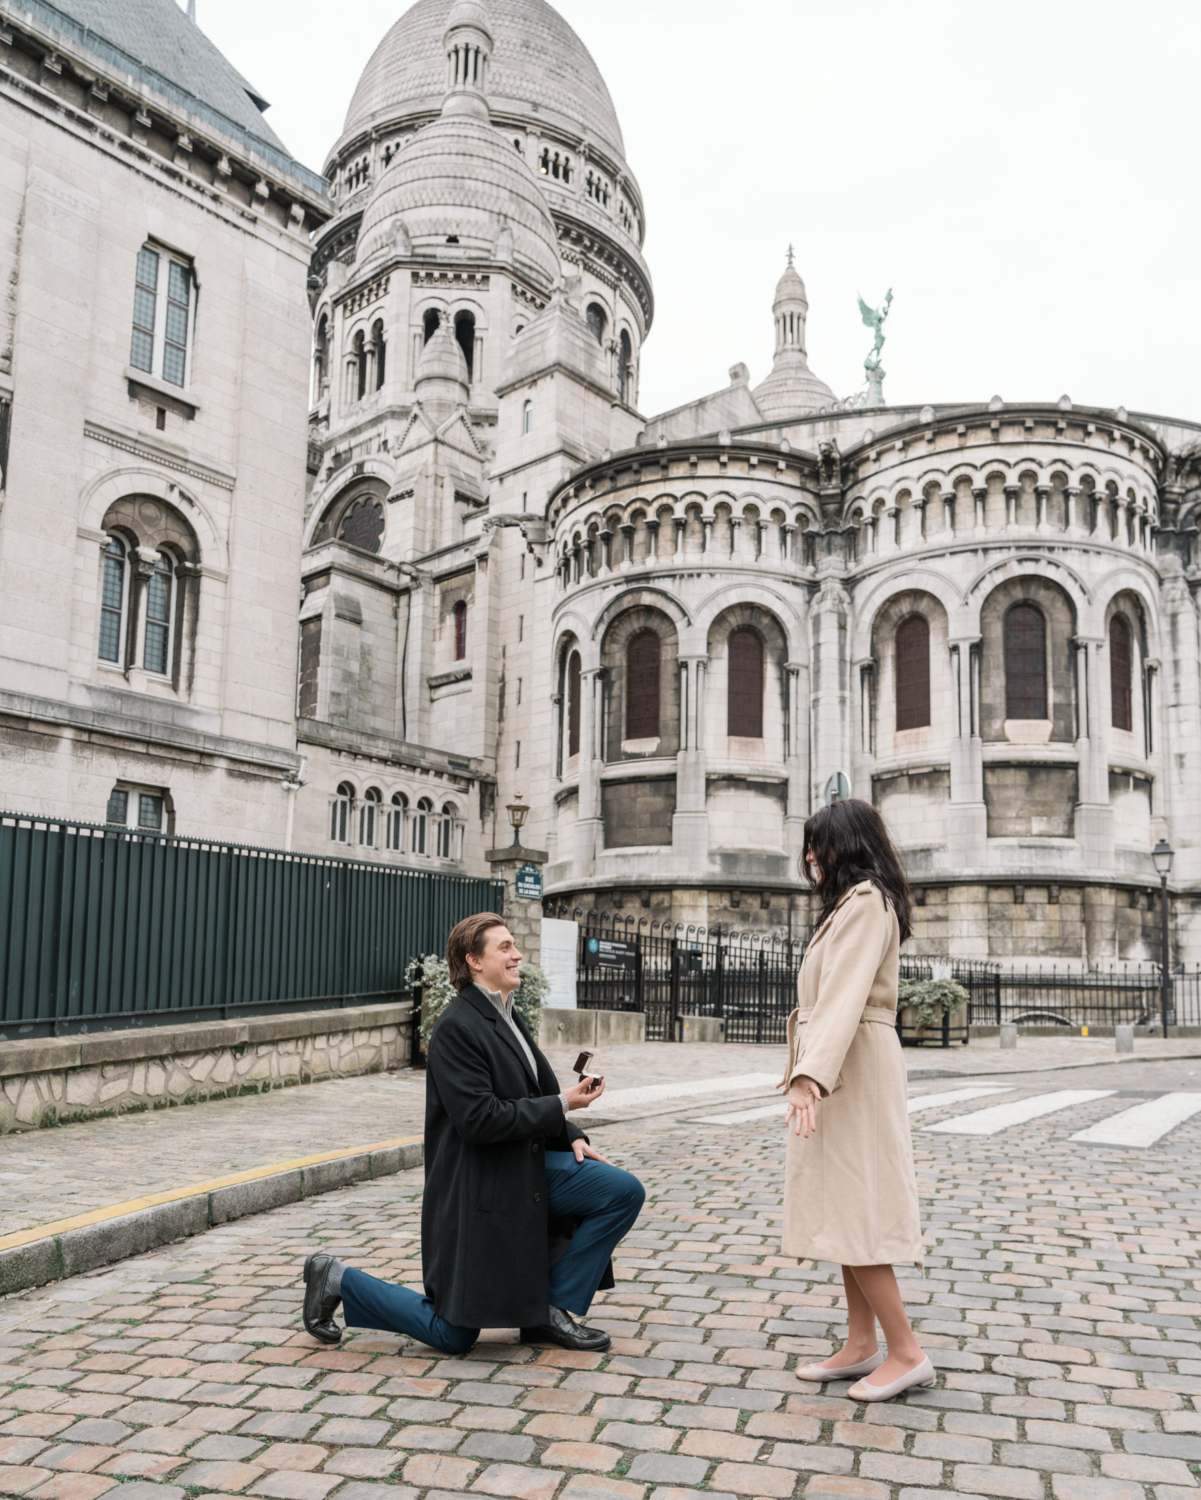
339,822
114,591
360,366
160,597
1121,672
913,672
369,813
527,417
597,318
379,352
1025,663
429,323
321,358
573,703
625,369
460,630
446,832
421,826
396,822
642,686
744,691
465,338
150,812
162,315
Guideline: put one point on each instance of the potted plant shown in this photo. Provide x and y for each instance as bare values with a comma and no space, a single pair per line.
925,1008
432,976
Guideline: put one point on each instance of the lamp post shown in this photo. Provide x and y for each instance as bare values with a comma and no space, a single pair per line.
1161,858
517,810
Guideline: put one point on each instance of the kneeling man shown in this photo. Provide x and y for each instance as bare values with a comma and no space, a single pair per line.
520,1215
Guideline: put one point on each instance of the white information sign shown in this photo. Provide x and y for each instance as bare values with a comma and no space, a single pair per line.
559,943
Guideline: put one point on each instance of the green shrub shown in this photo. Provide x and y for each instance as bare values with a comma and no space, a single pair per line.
930,998
433,977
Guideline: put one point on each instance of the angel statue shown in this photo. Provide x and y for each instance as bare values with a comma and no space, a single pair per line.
873,318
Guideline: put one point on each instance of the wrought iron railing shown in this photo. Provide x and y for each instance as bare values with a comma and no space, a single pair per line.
115,926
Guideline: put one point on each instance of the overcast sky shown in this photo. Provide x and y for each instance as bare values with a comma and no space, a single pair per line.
1024,178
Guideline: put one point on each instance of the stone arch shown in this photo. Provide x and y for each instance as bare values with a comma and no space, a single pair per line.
902,604
721,689
1028,591
640,620
108,488
356,515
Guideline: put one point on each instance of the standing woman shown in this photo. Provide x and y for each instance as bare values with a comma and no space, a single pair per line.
850,1193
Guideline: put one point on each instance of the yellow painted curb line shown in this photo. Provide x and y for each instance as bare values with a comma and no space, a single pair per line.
99,1215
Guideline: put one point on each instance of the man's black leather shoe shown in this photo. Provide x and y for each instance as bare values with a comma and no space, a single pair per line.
320,1306
562,1329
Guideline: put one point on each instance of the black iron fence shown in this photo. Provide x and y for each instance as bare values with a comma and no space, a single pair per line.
119,927
668,971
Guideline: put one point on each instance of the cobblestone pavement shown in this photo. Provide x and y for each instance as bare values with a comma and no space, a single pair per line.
51,1174
1059,1302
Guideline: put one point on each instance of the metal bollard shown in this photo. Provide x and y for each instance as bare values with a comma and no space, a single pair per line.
1123,1038
1009,1034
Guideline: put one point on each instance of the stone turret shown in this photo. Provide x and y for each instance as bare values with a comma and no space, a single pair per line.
792,388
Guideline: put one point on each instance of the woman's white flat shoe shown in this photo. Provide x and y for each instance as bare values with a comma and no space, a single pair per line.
842,1372
922,1374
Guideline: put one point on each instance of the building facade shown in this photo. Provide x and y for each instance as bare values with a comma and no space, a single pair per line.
154,336
672,636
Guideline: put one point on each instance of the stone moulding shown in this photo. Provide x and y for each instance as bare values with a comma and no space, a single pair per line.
72,1248
56,1080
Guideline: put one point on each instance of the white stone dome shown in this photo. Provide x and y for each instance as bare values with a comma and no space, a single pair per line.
458,180
539,69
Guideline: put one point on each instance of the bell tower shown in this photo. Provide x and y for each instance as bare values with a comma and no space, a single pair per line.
468,43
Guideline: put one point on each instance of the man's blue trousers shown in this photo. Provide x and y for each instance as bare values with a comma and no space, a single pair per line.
606,1198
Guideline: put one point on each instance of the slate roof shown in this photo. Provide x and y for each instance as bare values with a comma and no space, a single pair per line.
153,42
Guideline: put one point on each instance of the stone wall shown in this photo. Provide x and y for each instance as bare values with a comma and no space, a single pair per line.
60,1079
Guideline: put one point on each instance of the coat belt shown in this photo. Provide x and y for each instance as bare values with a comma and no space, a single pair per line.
879,1014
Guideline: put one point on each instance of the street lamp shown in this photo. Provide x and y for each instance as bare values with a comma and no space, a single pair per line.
1161,858
517,814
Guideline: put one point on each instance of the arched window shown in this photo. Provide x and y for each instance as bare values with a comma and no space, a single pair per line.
527,417
396,822
465,338
369,817
625,369
460,630
446,832
160,600
321,357
429,322
379,350
362,524
642,686
421,826
1121,673
913,672
360,366
573,704
744,691
597,318
1025,663
339,821
114,595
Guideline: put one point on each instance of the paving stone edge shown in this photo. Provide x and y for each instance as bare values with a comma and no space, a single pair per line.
94,1245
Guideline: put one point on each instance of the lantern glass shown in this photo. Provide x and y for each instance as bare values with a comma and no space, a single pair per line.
1161,857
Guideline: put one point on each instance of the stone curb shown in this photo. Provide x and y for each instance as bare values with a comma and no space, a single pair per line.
94,1245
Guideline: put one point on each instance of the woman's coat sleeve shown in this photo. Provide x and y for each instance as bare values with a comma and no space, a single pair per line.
853,949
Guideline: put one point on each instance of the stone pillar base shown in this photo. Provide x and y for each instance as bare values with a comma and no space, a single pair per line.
523,912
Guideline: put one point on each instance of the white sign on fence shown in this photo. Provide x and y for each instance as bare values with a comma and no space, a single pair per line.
559,943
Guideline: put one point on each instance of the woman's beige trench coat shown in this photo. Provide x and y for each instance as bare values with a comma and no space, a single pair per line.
850,1193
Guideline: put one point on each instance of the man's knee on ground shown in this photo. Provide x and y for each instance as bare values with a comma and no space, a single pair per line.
456,1340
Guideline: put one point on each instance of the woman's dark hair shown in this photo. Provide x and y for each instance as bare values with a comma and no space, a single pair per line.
850,843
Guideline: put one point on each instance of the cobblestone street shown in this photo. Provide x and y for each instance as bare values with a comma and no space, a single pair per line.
1059,1302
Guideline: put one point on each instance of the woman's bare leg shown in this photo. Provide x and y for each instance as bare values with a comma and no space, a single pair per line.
861,1326
878,1287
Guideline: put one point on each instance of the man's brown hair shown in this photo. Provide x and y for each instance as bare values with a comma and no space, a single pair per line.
468,937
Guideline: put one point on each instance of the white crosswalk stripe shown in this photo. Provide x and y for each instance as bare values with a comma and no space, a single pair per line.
956,1096
1016,1112
1143,1124
760,1112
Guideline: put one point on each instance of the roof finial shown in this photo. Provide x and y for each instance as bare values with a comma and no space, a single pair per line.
791,252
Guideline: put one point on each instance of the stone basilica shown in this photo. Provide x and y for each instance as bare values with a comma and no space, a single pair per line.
673,636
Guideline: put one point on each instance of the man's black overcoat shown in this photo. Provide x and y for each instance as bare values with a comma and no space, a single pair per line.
485,1251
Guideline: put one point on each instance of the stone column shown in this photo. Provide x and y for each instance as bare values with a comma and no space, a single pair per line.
1094,816
1177,724
967,814
829,622
980,498
589,828
690,822
1073,502
522,913
798,805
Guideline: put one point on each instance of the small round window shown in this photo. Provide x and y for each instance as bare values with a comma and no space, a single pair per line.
363,525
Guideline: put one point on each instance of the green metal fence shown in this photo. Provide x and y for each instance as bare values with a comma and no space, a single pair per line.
120,927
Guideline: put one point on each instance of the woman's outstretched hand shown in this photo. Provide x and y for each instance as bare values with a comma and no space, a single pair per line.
803,1098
